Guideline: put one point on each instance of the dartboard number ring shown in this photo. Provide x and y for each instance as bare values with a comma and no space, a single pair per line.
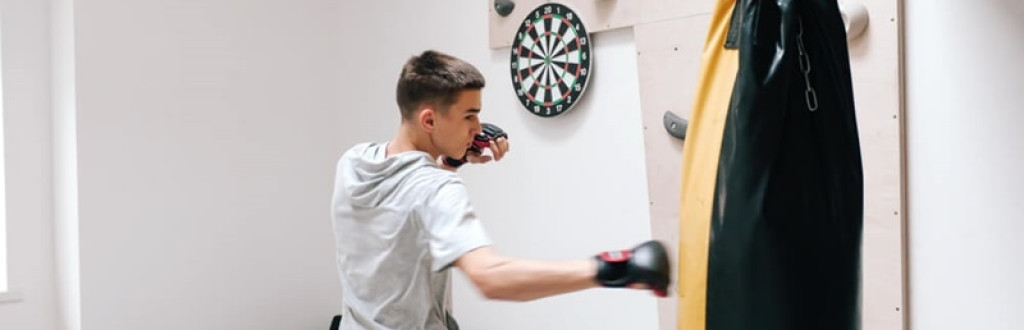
551,60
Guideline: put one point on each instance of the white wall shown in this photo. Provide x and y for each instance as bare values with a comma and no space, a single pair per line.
25,59
571,186
207,135
965,154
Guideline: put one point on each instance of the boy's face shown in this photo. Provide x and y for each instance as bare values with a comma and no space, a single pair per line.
454,130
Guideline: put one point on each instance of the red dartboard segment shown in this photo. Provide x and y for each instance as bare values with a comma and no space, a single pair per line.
551,60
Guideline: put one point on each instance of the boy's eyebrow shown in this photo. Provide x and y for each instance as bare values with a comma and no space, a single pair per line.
473,110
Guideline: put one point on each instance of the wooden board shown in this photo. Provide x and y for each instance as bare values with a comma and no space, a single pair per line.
668,63
652,11
876,71
597,15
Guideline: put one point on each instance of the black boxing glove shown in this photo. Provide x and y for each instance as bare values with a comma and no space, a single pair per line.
481,141
646,264
492,131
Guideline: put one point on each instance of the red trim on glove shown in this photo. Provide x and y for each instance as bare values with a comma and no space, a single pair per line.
616,256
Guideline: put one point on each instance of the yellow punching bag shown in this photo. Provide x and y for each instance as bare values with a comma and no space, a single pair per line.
772,197
700,164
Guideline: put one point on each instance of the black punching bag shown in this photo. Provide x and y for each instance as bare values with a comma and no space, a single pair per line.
786,222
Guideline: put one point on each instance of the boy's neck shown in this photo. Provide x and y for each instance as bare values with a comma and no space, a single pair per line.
410,139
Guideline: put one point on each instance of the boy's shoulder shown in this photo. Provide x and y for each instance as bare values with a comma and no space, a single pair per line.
362,148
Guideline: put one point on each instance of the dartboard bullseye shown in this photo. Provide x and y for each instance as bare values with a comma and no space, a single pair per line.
551,60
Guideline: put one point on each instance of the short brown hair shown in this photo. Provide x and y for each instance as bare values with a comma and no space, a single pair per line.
435,78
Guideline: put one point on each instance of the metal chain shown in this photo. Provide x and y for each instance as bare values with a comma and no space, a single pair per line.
805,65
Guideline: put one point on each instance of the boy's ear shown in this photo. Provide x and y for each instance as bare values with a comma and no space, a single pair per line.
426,119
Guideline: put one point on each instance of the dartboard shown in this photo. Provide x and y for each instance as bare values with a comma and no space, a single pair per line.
551,60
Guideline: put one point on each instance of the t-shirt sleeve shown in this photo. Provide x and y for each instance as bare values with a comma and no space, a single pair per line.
451,225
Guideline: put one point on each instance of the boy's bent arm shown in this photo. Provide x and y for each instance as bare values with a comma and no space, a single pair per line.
505,278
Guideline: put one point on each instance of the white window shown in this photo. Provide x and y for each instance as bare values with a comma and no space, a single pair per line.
3,204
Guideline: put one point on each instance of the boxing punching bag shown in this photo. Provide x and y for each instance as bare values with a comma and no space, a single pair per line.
777,226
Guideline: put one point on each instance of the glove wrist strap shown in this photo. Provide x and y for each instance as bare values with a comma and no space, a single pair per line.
612,268
452,162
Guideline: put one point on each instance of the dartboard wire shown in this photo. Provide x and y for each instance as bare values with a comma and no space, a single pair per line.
532,92
560,72
567,69
565,26
554,36
532,35
545,76
563,85
541,33
529,82
551,43
538,76
562,59
548,27
561,47
529,60
558,75
539,85
550,72
547,47
525,84
568,46
563,81
554,87
549,76
534,74
526,74
574,64
532,53
544,47
541,94
544,68
556,28
532,66
526,69
551,79
567,38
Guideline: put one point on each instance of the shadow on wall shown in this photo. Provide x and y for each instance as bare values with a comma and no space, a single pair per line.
1015,9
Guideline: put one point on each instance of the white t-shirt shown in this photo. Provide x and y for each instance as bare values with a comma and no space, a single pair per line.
399,223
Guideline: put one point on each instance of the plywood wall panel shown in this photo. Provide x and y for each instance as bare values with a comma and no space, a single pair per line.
668,63
502,29
875,67
597,16
652,11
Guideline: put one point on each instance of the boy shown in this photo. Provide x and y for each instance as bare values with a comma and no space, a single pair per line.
402,216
